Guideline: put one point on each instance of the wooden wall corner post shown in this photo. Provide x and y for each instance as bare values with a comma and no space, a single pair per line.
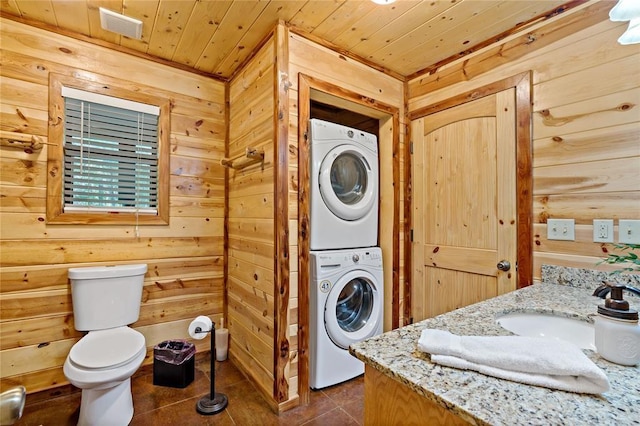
395,321
281,212
225,242
407,212
304,189
55,167
524,190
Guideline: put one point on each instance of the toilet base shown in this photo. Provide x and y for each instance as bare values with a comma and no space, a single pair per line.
111,406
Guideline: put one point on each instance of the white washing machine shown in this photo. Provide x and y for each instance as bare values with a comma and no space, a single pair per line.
345,307
344,187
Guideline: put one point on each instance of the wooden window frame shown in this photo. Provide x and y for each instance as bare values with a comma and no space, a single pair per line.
55,153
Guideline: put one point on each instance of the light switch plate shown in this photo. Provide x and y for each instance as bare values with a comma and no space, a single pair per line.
629,231
603,230
561,229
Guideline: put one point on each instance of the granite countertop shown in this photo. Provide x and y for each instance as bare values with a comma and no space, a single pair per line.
486,400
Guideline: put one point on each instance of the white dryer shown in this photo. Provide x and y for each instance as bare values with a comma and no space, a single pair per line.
346,306
344,187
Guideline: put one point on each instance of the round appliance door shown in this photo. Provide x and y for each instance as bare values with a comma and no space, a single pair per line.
348,184
353,309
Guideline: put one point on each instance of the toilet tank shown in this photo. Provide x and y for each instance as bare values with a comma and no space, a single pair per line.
106,296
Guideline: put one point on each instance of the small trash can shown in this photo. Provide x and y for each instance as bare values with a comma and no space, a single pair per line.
174,363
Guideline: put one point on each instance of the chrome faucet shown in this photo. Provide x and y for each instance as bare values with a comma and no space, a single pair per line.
605,288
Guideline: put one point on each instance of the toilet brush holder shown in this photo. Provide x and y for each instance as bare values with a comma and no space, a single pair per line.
222,342
214,402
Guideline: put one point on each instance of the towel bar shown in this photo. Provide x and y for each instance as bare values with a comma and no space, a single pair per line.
22,141
251,156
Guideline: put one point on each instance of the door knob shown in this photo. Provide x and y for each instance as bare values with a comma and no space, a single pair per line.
504,265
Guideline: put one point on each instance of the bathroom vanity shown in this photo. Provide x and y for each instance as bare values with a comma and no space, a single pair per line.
402,385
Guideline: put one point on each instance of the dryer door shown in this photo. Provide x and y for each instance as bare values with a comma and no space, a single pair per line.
348,184
353,310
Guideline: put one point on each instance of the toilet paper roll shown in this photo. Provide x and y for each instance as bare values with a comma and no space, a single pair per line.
201,322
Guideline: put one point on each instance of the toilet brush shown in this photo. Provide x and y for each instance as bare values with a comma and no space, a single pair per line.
214,402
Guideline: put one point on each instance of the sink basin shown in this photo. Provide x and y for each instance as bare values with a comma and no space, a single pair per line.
580,333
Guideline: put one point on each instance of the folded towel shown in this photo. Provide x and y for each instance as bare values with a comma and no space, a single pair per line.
532,360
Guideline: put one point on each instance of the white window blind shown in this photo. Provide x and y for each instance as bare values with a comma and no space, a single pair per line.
110,154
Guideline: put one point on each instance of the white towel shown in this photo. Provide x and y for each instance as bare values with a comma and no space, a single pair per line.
532,360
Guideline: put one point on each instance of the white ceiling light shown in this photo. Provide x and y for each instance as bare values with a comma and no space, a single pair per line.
383,1
117,23
627,10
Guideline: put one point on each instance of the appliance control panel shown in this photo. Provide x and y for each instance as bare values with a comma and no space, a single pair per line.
332,132
344,258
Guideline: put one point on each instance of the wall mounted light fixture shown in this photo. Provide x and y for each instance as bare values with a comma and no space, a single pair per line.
627,10
383,1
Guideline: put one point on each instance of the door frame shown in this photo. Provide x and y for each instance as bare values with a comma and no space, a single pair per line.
522,83
310,88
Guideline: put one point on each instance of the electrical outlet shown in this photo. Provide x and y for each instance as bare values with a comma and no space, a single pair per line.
561,229
629,231
603,230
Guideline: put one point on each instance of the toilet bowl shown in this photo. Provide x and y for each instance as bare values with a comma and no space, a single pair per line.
106,299
101,364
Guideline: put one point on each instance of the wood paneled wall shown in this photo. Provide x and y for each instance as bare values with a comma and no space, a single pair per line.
251,244
185,258
586,140
586,157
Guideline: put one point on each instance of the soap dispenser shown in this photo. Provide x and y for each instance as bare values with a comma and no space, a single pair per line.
617,332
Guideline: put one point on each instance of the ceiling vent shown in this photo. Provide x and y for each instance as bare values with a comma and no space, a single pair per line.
117,23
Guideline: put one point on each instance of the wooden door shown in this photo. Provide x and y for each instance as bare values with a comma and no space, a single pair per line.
464,204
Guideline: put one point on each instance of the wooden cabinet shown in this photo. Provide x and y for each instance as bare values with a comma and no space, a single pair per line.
388,402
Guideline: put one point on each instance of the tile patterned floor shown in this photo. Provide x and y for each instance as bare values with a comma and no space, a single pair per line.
157,405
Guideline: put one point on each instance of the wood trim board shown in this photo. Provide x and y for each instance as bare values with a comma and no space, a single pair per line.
281,212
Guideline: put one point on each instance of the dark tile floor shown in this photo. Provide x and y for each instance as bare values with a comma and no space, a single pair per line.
338,405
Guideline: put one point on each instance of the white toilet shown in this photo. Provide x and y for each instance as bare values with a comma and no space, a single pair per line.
106,299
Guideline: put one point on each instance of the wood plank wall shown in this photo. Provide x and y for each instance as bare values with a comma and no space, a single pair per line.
251,239
186,274
250,286
586,100
586,97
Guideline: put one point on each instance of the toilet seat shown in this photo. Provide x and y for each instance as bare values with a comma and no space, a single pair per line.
109,348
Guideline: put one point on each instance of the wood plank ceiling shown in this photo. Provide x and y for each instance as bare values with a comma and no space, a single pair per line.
216,36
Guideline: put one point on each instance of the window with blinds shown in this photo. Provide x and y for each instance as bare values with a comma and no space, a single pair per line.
110,154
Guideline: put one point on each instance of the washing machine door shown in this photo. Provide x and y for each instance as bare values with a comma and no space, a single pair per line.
348,184
353,310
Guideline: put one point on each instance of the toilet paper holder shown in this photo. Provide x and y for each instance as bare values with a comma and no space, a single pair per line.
214,402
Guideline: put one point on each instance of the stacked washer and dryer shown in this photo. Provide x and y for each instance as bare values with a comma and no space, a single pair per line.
346,297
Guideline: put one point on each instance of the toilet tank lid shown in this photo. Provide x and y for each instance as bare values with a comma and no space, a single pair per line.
107,271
